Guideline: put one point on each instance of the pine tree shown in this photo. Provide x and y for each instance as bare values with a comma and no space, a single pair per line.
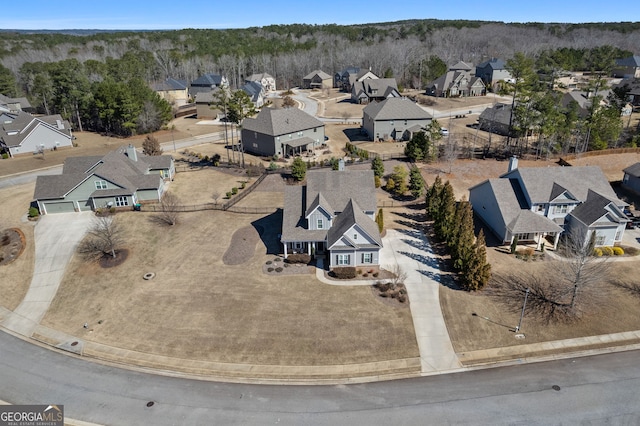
299,169
462,247
443,220
378,167
477,272
380,220
416,182
433,197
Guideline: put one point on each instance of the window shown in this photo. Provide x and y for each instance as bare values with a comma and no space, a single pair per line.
355,236
320,224
343,259
600,240
255,145
164,173
367,258
122,201
101,184
562,208
618,235
315,129
540,207
255,135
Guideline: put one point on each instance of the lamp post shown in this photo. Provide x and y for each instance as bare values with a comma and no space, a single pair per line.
524,305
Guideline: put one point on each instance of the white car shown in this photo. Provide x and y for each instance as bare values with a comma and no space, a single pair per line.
444,131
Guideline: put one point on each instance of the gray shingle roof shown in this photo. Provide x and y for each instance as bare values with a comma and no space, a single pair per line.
382,86
293,222
539,182
494,64
631,61
461,66
321,74
596,207
169,84
633,170
276,122
499,113
21,124
339,186
395,109
353,215
57,186
208,80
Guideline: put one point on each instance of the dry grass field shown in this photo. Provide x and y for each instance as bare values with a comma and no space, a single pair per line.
16,276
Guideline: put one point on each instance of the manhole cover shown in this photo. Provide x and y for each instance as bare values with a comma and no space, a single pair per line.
74,343
555,387
150,404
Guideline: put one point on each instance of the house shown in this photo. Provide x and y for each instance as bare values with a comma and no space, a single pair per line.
374,90
173,91
345,79
205,108
584,100
492,71
631,178
455,84
120,179
394,118
496,119
267,82
333,216
632,88
462,66
316,79
537,204
627,67
207,83
8,104
255,92
282,132
22,133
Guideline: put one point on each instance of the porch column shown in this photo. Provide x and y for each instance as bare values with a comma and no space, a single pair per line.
309,244
539,241
285,249
555,241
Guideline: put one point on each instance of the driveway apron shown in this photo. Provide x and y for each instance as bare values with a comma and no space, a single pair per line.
411,251
56,239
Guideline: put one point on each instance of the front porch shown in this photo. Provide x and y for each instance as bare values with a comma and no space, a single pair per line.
312,248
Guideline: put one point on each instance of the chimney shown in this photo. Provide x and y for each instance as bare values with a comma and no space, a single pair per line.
513,164
131,153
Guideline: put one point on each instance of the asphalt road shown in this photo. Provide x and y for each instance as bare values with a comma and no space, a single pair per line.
601,389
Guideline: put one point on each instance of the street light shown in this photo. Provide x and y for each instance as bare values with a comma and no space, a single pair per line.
524,305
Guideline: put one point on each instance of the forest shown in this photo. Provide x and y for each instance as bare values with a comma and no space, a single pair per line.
100,80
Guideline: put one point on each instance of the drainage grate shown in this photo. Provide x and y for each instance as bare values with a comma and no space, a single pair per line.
555,387
74,343
150,404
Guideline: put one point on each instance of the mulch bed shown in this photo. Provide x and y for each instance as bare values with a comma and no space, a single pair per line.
12,244
242,247
277,266
108,261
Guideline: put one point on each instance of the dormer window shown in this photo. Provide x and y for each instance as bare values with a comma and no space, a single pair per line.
355,236
101,184
320,224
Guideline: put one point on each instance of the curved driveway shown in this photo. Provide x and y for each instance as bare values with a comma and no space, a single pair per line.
56,239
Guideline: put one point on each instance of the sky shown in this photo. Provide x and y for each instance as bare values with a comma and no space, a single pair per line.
164,14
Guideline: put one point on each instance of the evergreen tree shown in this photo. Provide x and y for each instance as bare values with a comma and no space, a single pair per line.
299,169
416,182
151,146
477,271
443,220
380,220
462,237
399,177
7,82
378,167
433,197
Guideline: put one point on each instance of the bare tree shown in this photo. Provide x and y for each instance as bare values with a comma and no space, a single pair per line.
399,276
288,102
168,209
105,238
215,197
151,146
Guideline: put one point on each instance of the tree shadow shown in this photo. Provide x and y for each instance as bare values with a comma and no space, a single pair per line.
270,228
425,260
356,134
444,279
416,217
510,328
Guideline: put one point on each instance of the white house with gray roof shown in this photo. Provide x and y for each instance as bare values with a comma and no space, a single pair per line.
22,133
282,132
120,179
333,216
394,118
537,204
266,81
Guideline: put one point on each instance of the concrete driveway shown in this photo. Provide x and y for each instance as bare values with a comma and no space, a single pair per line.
412,253
56,239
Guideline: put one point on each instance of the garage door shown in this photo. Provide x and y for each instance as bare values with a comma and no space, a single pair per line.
85,205
63,207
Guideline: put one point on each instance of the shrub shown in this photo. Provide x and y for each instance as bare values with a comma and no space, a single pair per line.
607,251
277,259
618,251
5,155
382,287
278,269
631,251
528,251
112,210
269,269
229,194
268,262
5,240
344,272
298,258
33,212
359,272
234,190
365,275
597,252
375,274
376,181
243,185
